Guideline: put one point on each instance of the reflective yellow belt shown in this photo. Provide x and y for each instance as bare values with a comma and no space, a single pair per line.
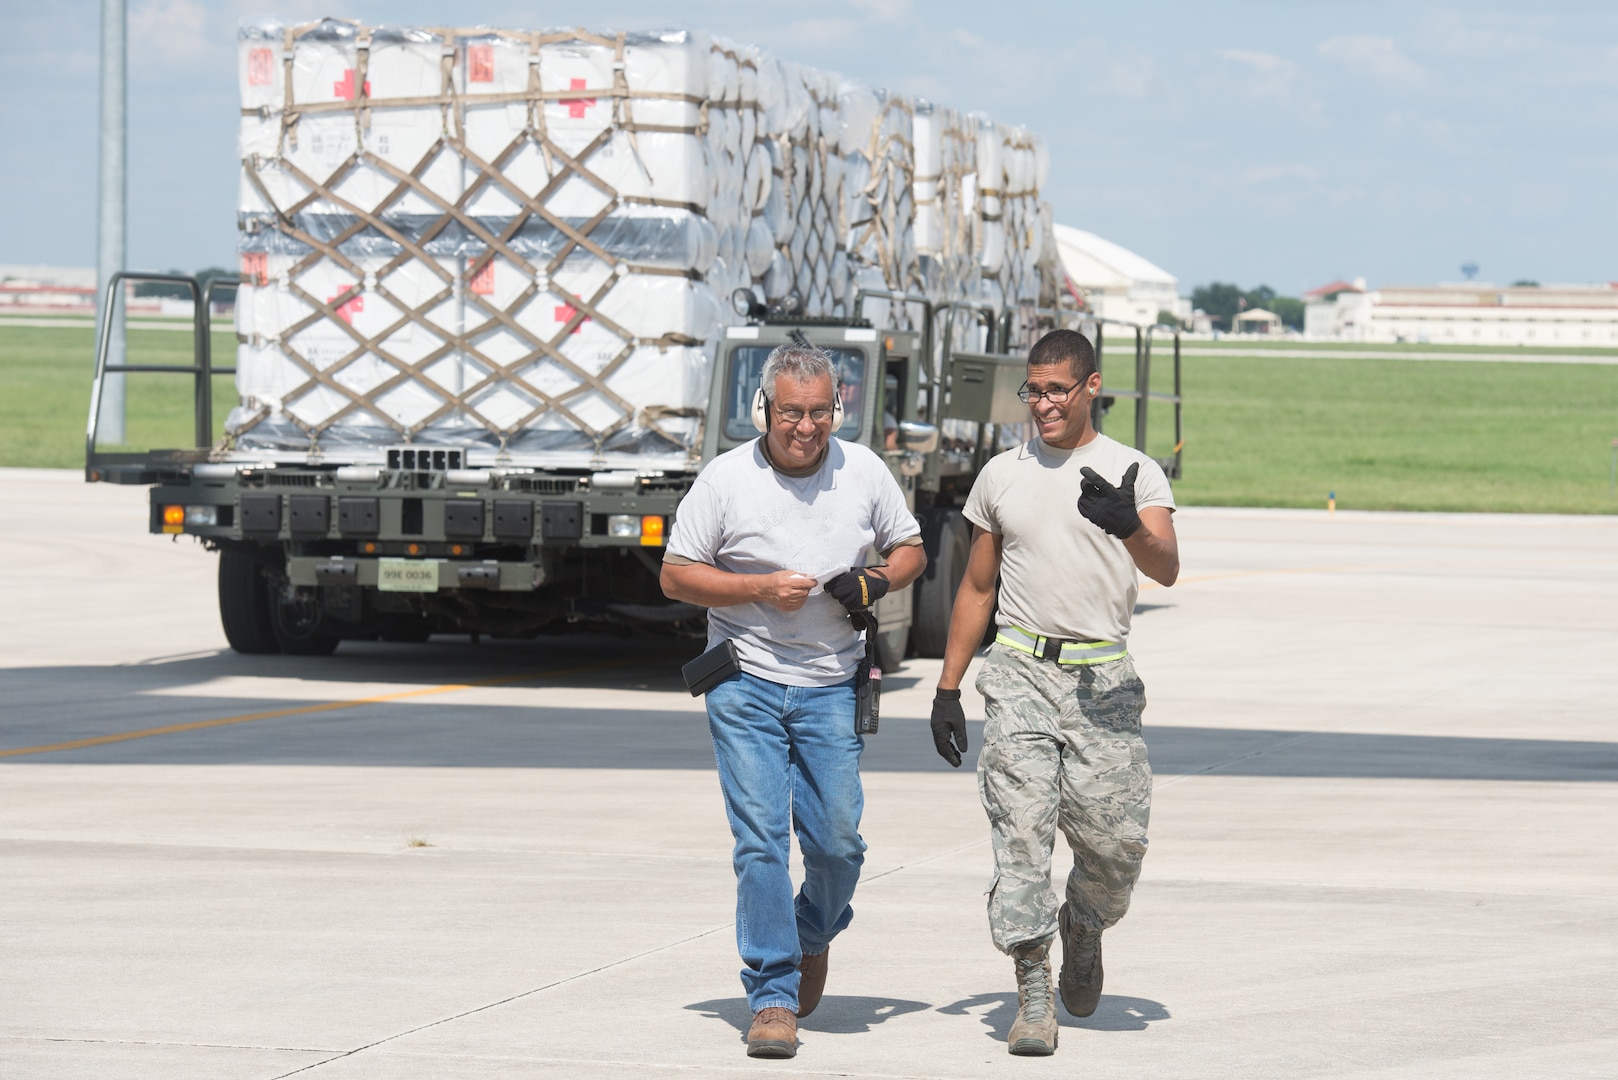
1063,652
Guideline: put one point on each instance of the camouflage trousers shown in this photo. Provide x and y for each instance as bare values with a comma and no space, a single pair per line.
1062,749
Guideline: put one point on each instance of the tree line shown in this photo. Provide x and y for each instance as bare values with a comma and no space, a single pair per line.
1224,301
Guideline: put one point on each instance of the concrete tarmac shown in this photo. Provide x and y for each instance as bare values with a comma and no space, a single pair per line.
1385,838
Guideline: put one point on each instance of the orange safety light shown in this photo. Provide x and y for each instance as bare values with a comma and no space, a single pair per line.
651,530
412,549
174,519
456,549
370,548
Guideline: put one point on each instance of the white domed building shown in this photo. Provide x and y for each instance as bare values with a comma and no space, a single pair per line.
1116,283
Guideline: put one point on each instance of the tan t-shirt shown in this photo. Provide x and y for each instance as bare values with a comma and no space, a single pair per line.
1060,575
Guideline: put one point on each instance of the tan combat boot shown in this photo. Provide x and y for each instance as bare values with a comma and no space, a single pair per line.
774,1034
1081,965
1034,1031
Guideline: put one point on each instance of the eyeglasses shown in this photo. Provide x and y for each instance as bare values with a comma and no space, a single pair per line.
1055,396
795,416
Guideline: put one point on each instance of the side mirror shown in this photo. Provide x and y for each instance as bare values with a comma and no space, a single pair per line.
914,435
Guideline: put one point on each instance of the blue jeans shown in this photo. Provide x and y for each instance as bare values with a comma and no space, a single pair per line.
788,759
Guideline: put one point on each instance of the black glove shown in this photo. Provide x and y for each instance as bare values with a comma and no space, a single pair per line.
1111,508
949,726
858,589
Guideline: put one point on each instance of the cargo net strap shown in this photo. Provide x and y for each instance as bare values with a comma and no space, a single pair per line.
882,228
820,230
563,167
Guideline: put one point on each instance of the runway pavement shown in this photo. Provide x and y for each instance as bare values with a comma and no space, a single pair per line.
1385,838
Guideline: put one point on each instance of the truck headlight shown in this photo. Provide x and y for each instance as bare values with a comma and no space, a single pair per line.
202,515
623,526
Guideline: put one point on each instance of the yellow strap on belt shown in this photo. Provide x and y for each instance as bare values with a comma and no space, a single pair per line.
1070,653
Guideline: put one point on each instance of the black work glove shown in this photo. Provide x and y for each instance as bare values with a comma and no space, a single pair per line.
857,589
949,726
1111,508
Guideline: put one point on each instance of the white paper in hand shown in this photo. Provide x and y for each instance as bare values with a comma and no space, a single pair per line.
823,577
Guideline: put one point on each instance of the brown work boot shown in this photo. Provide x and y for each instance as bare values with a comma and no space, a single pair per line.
812,981
1033,1033
774,1034
1081,965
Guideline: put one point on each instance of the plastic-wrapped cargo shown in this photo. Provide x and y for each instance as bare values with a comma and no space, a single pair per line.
524,242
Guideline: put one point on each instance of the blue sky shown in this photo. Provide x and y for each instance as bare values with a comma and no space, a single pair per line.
1283,143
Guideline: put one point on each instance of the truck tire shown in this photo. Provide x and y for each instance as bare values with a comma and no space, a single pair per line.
244,605
947,539
299,628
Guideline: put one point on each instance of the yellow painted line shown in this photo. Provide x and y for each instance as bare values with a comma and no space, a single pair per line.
299,710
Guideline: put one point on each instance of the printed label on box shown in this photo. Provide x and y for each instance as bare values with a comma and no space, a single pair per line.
260,67
480,63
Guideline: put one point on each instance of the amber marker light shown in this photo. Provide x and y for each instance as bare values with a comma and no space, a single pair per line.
456,549
412,549
651,530
174,519
369,548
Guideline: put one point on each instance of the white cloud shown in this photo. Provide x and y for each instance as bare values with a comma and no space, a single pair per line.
1266,76
1268,174
1483,37
173,30
1374,57
816,33
1250,78
883,10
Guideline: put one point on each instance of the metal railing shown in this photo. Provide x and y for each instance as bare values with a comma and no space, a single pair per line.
1142,394
201,369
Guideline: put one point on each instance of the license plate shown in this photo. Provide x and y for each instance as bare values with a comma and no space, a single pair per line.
406,575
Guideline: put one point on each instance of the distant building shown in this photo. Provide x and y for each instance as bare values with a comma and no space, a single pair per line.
1116,283
1258,321
56,289
1470,313
1328,292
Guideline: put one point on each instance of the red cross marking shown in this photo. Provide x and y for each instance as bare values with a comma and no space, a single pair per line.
576,106
564,312
346,310
345,89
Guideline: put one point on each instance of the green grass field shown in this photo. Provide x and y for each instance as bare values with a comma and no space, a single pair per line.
45,375
1386,434
1123,345
1260,431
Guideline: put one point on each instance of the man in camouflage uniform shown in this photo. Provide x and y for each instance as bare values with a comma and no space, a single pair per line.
1064,521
